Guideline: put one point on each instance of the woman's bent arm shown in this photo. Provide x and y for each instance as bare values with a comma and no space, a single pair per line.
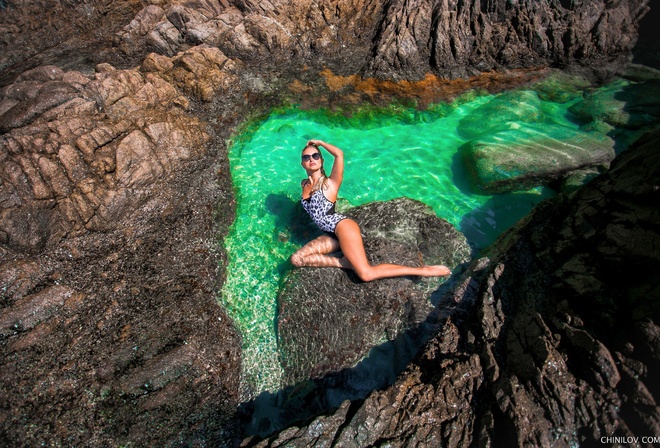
337,172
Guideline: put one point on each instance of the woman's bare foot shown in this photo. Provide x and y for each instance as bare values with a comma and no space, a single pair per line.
436,271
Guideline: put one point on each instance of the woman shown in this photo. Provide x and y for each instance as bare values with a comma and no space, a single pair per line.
319,194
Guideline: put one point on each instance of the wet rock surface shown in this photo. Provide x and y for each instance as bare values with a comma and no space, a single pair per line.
115,190
526,156
328,319
552,340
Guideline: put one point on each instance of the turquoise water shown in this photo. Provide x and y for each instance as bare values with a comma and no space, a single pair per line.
408,153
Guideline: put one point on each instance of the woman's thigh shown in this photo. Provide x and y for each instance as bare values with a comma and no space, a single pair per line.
350,241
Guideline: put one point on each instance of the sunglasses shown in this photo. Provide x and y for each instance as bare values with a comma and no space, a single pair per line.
308,157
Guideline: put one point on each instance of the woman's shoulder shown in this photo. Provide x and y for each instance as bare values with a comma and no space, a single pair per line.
304,182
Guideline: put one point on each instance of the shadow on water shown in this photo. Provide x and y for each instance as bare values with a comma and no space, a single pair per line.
291,224
290,215
460,175
483,225
640,111
300,403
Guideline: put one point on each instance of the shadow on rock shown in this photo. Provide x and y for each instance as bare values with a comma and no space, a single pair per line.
299,403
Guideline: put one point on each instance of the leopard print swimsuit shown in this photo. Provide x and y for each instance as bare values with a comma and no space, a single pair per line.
322,212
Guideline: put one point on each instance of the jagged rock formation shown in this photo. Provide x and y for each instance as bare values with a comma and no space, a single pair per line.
114,189
553,340
461,38
78,150
404,39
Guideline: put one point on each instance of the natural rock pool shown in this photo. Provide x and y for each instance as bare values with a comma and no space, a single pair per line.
389,153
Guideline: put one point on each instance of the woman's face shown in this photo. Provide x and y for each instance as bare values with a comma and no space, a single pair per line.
311,158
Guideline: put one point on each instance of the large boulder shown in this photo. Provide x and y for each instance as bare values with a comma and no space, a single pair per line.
527,156
329,319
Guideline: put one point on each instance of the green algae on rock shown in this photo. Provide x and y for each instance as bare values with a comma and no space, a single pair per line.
515,106
526,156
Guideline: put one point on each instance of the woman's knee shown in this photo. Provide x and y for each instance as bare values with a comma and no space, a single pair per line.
365,273
297,260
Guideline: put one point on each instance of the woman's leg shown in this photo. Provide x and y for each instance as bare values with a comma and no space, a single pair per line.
350,241
315,252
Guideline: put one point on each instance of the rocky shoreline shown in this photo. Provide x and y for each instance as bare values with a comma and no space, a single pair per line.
115,192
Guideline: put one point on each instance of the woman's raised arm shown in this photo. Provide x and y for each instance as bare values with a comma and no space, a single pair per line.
337,172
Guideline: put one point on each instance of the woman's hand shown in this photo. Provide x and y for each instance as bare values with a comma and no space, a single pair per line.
316,143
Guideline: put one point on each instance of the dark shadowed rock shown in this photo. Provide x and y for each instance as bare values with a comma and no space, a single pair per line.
50,94
624,104
329,319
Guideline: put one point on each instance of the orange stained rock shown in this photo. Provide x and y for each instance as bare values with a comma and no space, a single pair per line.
298,87
431,88
337,83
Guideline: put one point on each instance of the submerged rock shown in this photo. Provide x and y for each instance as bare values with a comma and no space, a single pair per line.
522,106
329,319
623,104
527,156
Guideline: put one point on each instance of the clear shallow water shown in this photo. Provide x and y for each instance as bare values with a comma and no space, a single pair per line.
409,154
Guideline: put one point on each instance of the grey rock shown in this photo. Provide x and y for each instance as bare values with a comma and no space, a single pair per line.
526,156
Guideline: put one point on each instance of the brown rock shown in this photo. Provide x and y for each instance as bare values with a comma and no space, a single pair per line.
157,63
50,94
30,310
137,164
